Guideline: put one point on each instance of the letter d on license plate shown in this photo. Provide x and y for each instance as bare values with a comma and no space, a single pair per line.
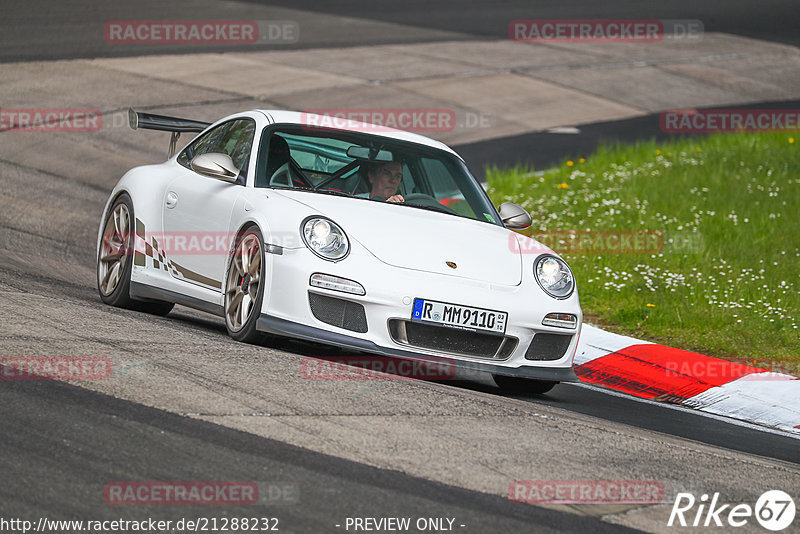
457,316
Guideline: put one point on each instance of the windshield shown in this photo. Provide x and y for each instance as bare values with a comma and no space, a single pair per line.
369,167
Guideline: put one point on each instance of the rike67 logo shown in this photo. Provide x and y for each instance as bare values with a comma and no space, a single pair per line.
774,510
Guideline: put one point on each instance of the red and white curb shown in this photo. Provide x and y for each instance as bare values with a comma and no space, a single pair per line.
660,373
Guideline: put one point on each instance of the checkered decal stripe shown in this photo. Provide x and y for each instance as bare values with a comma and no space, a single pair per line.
152,256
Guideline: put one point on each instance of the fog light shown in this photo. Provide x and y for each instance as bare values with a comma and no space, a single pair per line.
335,283
560,320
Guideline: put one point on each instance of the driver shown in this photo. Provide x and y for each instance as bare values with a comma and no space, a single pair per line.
385,179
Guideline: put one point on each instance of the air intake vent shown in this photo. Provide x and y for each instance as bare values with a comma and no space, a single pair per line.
452,340
548,347
338,312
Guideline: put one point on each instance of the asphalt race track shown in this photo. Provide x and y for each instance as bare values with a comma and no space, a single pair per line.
186,403
40,29
314,488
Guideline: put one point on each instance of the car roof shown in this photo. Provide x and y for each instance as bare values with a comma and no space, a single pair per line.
303,118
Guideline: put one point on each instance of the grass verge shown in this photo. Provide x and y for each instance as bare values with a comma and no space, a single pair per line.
722,274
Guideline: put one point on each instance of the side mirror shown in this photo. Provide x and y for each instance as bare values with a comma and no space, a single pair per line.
513,216
215,165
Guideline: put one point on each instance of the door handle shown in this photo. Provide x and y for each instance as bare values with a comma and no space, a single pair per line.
172,199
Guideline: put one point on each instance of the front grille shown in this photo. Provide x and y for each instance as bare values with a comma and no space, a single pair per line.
338,312
452,340
548,347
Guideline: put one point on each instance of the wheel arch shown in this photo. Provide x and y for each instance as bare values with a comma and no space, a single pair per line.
142,186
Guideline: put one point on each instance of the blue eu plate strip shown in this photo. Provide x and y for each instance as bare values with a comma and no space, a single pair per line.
417,314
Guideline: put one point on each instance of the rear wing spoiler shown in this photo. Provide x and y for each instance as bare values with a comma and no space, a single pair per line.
149,121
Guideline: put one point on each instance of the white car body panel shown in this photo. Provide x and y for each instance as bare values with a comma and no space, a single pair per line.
202,205
480,251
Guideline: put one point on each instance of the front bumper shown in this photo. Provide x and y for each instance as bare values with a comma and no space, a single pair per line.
282,327
286,310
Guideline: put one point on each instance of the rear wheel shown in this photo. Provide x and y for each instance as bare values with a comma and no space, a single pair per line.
244,288
523,386
114,262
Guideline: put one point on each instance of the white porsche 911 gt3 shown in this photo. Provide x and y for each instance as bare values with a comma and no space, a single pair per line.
359,236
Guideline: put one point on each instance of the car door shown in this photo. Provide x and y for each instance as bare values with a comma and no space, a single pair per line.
197,209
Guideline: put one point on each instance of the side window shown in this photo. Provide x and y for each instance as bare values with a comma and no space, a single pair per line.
234,138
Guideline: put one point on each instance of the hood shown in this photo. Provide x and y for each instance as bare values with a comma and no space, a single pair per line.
423,240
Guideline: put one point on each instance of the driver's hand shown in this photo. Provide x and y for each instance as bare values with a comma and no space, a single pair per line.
395,198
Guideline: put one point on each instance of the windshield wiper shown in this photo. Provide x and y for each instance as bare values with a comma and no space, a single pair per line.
325,191
440,209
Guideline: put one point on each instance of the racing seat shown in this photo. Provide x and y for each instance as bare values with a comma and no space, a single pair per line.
360,183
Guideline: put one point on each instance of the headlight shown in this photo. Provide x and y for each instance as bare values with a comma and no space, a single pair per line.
325,238
554,276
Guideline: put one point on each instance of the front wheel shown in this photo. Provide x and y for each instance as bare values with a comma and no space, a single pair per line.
244,288
523,386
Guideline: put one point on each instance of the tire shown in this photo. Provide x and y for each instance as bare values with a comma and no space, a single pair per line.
244,286
523,386
115,261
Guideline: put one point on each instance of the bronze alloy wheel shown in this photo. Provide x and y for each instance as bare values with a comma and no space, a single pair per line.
244,286
115,248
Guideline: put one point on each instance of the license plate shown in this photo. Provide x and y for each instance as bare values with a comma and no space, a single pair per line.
457,316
